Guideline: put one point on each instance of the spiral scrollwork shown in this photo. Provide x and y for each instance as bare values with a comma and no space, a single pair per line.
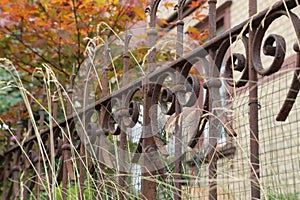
275,46
132,115
293,91
75,137
277,51
167,97
57,146
188,93
151,10
236,62
112,125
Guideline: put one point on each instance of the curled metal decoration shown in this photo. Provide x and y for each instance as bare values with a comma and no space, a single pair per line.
133,115
120,114
152,9
129,112
188,65
295,86
277,51
75,137
179,7
293,91
58,142
239,64
167,97
92,126
113,127
100,150
112,123
238,60
188,93
111,120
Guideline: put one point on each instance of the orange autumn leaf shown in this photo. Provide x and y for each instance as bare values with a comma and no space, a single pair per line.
194,4
169,5
193,30
140,12
199,15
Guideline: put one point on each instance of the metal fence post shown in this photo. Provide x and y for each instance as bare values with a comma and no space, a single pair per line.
148,187
178,108
212,88
123,137
253,113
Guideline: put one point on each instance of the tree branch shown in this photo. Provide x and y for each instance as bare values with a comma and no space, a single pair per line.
36,53
78,33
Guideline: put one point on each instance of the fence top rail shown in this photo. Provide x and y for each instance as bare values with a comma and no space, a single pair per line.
199,52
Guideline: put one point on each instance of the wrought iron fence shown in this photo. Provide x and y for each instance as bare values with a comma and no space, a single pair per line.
239,143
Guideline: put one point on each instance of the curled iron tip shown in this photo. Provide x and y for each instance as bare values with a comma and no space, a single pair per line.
176,7
147,9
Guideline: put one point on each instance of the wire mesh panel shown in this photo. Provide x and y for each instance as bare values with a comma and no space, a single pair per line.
279,141
279,147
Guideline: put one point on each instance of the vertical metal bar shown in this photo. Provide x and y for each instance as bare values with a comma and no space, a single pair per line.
82,147
82,171
180,25
105,92
6,174
26,185
152,35
123,137
253,113
148,187
15,175
38,167
178,109
213,76
66,146
105,89
212,18
65,175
